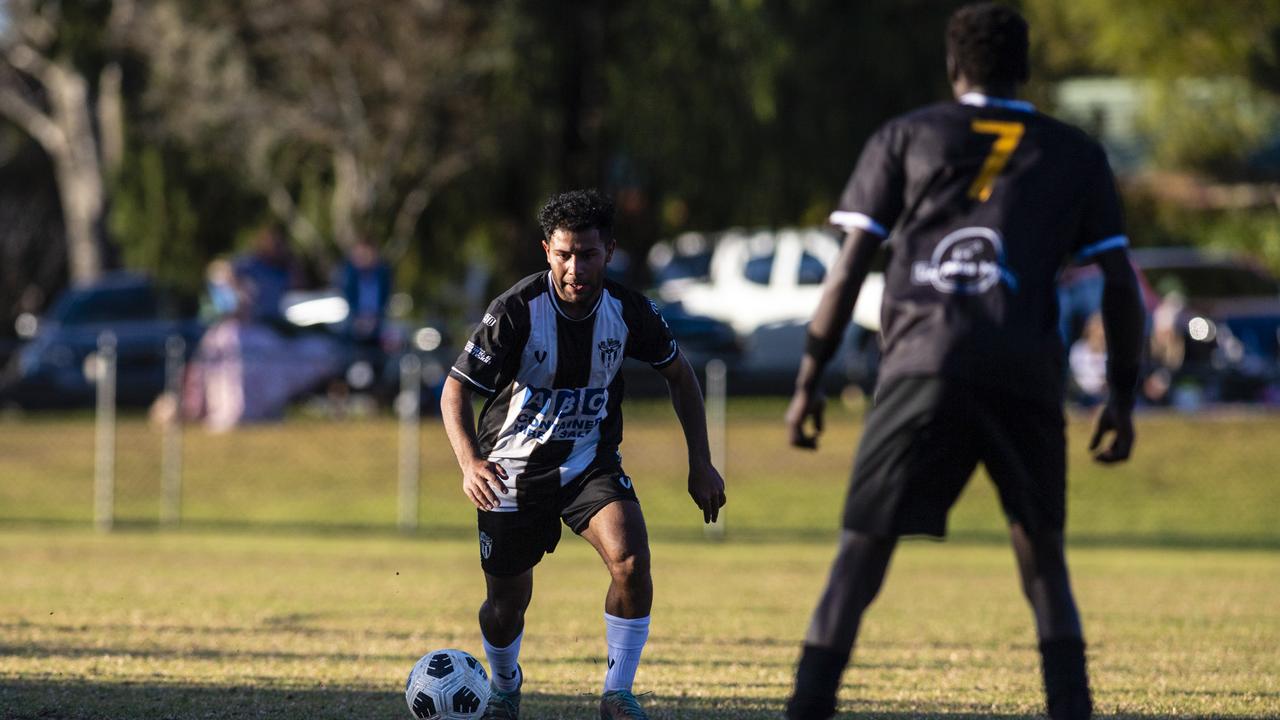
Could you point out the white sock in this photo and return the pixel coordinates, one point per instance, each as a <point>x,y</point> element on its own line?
<point>626,638</point>
<point>502,663</point>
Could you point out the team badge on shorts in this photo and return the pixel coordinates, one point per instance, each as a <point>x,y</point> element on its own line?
<point>625,481</point>
<point>486,545</point>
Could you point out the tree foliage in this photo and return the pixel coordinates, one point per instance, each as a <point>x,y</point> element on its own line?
<point>436,127</point>
<point>1210,72</point>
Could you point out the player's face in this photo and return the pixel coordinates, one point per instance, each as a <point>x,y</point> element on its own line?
<point>577,261</point>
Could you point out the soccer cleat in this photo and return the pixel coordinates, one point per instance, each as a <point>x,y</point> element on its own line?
<point>504,704</point>
<point>621,705</point>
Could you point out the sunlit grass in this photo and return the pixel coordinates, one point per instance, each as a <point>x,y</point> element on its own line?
<point>288,593</point>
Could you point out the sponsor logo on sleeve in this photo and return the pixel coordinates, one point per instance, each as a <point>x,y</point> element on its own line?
<point>478,353</point>
<point>489,320</point>
<point>654,307</point>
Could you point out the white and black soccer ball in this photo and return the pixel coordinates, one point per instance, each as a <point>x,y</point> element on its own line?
<point>447,685</point>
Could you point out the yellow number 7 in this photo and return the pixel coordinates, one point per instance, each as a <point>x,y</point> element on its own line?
<point>1008,134</point>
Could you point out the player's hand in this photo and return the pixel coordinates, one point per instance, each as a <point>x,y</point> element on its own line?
<point>804,405</point>
<point>482,481</point>
<point>706,487</point>
<point>1117,421</point>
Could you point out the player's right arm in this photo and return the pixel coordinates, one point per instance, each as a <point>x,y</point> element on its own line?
<point>869,206</point>
<point>478,369</point>
<point>826,329</point>
<point>481,479</point>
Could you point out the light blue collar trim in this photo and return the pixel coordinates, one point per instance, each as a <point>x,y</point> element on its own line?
<point>979,100</point>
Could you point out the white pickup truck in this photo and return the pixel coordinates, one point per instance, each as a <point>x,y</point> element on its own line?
<point>766,285</point>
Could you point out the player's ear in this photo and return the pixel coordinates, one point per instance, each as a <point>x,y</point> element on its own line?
<point>546,249</point>
<point>609,245</point>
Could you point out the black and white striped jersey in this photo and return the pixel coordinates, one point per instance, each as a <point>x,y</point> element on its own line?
<point>553,383</point>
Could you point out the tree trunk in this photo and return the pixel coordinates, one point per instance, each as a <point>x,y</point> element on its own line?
<point>79,173</point>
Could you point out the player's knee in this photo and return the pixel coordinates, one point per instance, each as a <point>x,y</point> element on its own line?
<point>631,568</point>
<point>505,611</point>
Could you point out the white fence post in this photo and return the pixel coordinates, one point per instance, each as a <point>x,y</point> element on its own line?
<point>407,407</point>
<point>171,458</point>
<point>717,431</point>
<point>103,369</point>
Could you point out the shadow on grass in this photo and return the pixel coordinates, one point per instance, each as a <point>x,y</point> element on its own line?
<point>78,700</point>
<point>663,533</point>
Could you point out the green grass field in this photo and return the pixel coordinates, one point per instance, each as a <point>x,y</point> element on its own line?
<point>287,593</point>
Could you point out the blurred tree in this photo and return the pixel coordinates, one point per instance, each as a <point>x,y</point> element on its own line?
<point>347,117</point>
<point>60,83</point>
<point>1209,72</point>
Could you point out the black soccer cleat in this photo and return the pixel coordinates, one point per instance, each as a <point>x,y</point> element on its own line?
<point>621,705</point>
<point>503,704</point>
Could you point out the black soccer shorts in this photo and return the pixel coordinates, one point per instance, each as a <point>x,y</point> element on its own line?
<point>513,542</point>
<point>925,436</point>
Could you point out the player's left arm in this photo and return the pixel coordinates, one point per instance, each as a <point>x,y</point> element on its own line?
<point>706,487</point>
<point>1123,314</point>
<point>1123,321</point>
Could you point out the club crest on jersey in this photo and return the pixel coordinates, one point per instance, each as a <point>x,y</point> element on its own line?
<point>969,261</point>
<point>486,545</point>
<point>609,351</point>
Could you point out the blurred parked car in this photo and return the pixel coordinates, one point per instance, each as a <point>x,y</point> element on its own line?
<point>759,278</point>
<point>53,369</point>
<point>1222,312</point>
<point>700,338</point>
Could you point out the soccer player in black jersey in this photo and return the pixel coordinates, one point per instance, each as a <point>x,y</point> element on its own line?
<point>547,357</point>
<point>980,201</point>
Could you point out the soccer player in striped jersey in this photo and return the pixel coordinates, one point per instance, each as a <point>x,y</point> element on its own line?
<point>981,202</point>
<point>547,357</point>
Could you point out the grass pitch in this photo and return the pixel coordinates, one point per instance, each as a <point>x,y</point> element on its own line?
<point>287,593</point>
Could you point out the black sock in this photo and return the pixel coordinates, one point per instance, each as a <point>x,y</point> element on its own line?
<point>1066,682</point>
<point>817,680</point>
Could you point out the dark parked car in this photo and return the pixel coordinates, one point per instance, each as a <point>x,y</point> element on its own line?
<point>700,338</point>
<point>1225,312</point>
<point>1225,315</point>
<point>50,370</point>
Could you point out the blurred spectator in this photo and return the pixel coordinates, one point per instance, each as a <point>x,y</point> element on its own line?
<point>1079,298</point>
<point>1088,362</point>
<point>220,290</point>
<point>1168,346</point>
<point>265,274</point>
<point>365,281</point>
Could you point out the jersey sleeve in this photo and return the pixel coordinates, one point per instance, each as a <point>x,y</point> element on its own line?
<point>873,198</point>
<point>1102,221</point>
<point>486,351</point>
<point>650,339</point>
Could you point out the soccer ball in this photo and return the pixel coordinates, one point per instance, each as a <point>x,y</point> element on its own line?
<point>447,685</point>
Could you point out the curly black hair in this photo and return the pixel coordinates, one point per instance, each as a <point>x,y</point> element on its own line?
<point>577,210</point>
<point>988,42</point>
